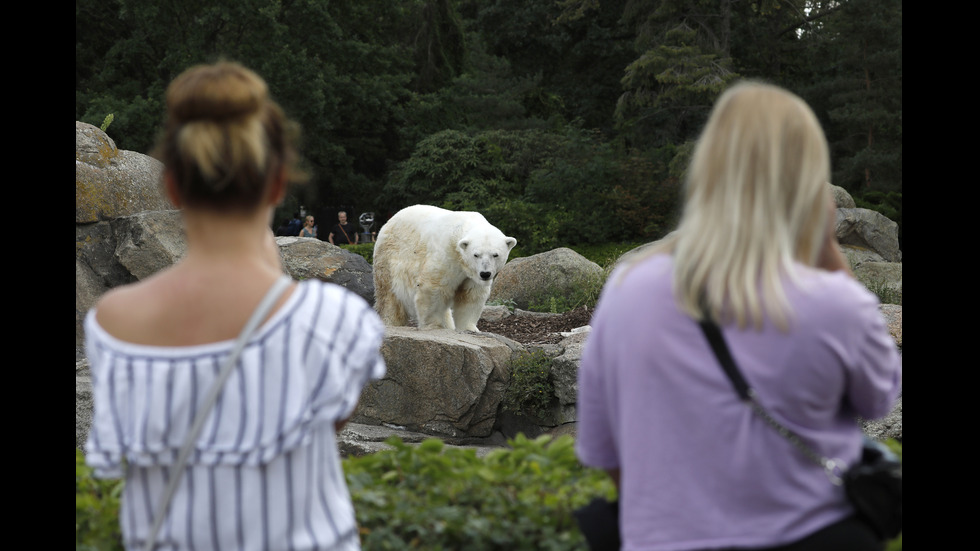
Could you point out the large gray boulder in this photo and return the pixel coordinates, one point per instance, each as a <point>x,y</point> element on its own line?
<point>558,272</point>
<point>109,182</point>
<point>131,248</point>
<point>842,198</point>
<point>440,382</point>
<point>869,229</point>
<point>309,258</point>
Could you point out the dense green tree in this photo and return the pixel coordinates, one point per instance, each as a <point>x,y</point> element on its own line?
<point>342,69</point>
<point>576,60</point>
<point>546,188</point>
<point>864,94</point>
<point>684,63</point>
<point>492,104</point>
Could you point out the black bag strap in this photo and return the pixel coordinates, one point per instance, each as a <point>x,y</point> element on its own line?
<point>833,467</point>
<point>717,341</point>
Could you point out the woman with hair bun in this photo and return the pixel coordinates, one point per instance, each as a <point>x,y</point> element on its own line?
<point>264,472</point>
<point>755,251</point>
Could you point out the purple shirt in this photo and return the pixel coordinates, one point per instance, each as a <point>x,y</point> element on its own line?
<point>699,468</point>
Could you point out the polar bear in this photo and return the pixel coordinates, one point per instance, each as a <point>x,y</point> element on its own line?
<point>436,266</point>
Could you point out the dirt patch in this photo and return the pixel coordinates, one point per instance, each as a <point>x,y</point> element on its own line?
<point>538,329</point>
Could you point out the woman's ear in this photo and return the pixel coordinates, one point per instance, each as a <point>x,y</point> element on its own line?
<point>170,187</point>
<point>277,188</point>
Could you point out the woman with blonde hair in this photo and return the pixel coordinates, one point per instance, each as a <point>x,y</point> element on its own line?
<point>263,470</point>
<point>309,230</point>
<point>756,252</point>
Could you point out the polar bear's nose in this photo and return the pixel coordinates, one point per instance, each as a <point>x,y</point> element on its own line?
<point>485,275</point>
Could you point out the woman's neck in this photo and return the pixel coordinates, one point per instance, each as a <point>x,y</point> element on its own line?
<point>217,236</point>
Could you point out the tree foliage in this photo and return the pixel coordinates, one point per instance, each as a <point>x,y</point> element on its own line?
<point>544,112</point>
<point>545,188</point>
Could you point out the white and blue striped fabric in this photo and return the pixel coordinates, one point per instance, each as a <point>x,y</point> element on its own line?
<point>265,472</point>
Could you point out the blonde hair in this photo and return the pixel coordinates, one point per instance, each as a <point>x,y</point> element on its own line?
<point>755,204</point>
<point>225,139</point>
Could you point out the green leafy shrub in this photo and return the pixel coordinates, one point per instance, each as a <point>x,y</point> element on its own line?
<point>605,254</point>
<point>431,497</point>
<point>96,510</point>
<point>364,249</point>
<point>531,390</point>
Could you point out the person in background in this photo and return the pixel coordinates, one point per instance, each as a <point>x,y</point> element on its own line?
<point>342,232</point>
<point>309,230</point>
<point>283,228</point>
<point>295,225</point>
<point>265,473</point>
<point>755,251</point>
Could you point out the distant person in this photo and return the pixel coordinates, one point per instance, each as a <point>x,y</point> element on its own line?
<point>756,252</point>
<point>309,230</point>
<point>265,472</point>
<point>340,233</point>
<point>283,228</point>
<point>295,225</point>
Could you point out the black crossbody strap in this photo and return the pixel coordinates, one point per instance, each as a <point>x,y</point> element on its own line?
<point>833,467</point>
<point>717,341</point>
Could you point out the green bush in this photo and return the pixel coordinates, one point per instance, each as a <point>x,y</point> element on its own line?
<point>545,188</point>
<point>364,249</point>
<point>96,510</point>
<point>605,254</point>
<point>431,497</point>
<point>531,390</point>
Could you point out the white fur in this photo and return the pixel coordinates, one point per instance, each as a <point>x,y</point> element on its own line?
<point>436,266</point>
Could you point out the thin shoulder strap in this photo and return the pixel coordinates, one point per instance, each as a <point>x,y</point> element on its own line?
<point>270,299</point>
<point>832,467</point>
<point>717,341</point>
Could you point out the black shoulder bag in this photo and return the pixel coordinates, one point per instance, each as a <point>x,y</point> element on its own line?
<point>874,485</point>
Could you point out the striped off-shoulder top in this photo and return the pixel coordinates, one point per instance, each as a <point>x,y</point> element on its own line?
<point>265,473</point>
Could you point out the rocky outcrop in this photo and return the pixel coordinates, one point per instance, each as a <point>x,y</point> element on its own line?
<point>131,248</point>
<point>842,198</point>
<point>109,182</point>
<point>309,258</point>
<point>558,272</point>
<point>440,382</point>
<point>870,230</point>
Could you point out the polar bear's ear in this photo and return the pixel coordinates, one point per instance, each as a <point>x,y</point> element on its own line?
<point>510,241</point>
<point>463,244</point>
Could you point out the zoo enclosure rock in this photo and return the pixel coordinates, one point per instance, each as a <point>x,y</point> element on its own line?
<point>559,272</point>
<point>109,182</point>
<point>440,382</point>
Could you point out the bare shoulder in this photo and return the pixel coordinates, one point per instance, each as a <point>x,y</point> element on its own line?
<point>122,310</point>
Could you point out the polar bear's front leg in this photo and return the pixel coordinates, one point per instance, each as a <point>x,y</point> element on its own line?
<point>468,303</point>
<point>432,305</point>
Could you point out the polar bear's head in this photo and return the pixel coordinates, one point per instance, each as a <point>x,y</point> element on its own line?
<point>484,254</point>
